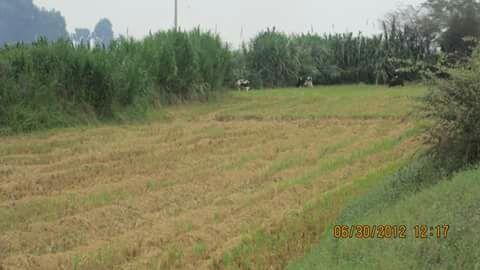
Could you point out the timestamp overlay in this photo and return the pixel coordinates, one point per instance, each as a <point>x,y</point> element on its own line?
<point>384,231</point>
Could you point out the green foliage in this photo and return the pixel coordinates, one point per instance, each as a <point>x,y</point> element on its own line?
<point>57,84</point>
<point>239,69</point>
<point>186,65</point>
<point>274,59</point>
<point>81,35</point>
<point>457,25</point>
<point>454,106</point>
<point>418,194</point>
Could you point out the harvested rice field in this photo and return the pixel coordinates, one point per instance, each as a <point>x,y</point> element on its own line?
<point>188,188</point>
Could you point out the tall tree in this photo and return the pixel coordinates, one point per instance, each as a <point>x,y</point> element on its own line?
<point>82,36</point>
<point>103,32</point>
<point>51,25</point>
<point>459,24</point>
<point>21,20</point>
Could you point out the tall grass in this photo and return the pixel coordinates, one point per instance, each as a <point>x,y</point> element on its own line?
<point>45,84</point>
<point>427,191</point>
<point>274,59</point>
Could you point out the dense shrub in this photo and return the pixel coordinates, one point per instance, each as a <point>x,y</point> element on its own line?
<point>454,106</point>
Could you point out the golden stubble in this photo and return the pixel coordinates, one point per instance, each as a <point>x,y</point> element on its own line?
<point>173,194</point>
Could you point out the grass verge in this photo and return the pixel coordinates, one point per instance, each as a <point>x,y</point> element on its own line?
<point>415,195</point>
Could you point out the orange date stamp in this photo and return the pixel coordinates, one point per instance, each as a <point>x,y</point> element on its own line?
<point>423,232</point>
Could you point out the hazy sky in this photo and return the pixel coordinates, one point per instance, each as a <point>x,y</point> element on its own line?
<point>228,17</point>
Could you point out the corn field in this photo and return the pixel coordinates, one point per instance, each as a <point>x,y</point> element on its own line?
<point>45,84</point>
<point>274,59</point>
<point>56,84</point>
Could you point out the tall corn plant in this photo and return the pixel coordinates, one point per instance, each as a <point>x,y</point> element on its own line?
<point>271,59</point>
<point>51,84</point>
<point>275,59</point>
<point>186,65</point>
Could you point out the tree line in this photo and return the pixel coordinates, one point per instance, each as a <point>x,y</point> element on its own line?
<point>23,21</point>
<point>54,84</point>
<point>48,84</point>
<point>416,41</point>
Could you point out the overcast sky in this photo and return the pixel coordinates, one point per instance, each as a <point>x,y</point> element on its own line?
<point>228,17</point>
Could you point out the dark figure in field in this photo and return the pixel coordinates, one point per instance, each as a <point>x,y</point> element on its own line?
<point>396,81</point>
<point>305,82</point>
<point>243,84</point>
<point>300,82</point>
<point>442,75</point>
<point>439,73</point>
<point>394,77</point>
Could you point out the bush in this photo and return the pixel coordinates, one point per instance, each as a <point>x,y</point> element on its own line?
<point>454,106</point>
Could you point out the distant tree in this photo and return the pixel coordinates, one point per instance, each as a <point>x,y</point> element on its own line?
<point>16,19</point>
<point>51,25</point>
<point>462,29</point>
<point>103,33</point>
<point>458,24</point>
<point>82,36</point>
<point>411,31</point>
<point>21,20</point>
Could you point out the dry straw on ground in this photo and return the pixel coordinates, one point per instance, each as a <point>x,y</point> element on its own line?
<point>177,193</point>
